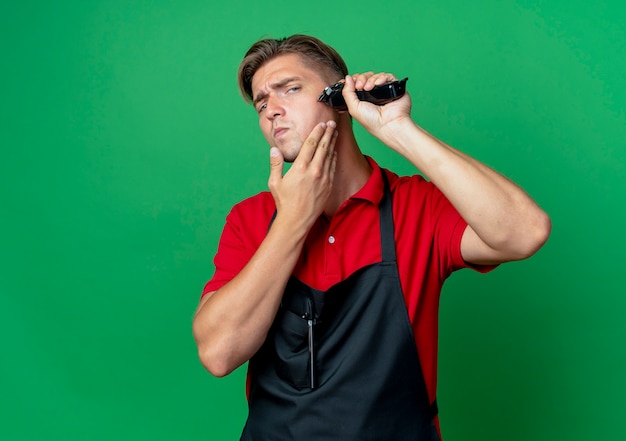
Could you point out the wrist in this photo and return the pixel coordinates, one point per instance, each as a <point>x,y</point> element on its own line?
<point>402,135</point>
<point>291,229</point>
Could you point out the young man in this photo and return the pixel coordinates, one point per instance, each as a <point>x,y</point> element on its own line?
<point>329,283</point>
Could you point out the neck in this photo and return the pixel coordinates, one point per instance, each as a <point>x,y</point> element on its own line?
<point>352,170</point>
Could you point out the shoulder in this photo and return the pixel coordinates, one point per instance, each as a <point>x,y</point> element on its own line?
<point>253,213</point>
<point>413,190</point>
<point>400,186</point>
<point>418,203</point>
<point>259,203</point>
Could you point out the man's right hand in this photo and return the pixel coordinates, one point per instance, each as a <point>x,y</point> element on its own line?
<point>231,323</point>
<point>301,193</point>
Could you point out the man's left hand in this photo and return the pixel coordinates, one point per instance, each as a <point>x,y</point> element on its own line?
<point>378,120</point>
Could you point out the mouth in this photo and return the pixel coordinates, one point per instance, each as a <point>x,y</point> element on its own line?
<point>278,132</point>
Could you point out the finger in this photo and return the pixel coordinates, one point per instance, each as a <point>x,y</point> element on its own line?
<point>349,93</point>
<point>361,79</point>
<point>378,80</point>
<point>325,144</point>
<point>310,144</point>
<point>276,167</point>
<point>331,158</point>
<point>333,142</point>
<point>333,167</point>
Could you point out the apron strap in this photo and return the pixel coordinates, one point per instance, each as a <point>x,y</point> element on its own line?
<point>388,247</point>
<point>434,409</point>
<point>387,238</point>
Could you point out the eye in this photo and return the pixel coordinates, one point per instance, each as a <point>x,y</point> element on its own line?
<point>293,89</point>
<point>261,107</point>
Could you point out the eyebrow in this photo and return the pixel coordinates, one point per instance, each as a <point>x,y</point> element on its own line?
<point>277,85</point>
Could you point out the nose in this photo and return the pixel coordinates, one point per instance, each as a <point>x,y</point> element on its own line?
<point>274,107</point>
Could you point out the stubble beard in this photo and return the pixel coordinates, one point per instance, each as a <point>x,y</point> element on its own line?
<point>291,151</point>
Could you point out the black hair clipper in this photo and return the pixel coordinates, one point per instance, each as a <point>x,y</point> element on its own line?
<point>379,95</point>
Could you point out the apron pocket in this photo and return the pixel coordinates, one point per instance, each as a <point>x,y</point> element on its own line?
<point>292,348</point>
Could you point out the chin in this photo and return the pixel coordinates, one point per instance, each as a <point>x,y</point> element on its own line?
<point>290,153</point>
<point>290,158</point>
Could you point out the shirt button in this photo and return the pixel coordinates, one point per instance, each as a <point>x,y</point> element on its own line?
<point>331,239</point>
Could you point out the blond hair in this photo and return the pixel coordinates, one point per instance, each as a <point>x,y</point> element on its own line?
<point>313,52</point>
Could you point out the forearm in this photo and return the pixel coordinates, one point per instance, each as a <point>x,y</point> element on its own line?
<point>231,324</point>
<point>501,214</point>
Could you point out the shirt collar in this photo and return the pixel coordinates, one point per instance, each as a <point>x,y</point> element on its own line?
<point>372,191</point>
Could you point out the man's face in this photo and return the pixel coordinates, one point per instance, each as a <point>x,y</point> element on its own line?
<point>285,94</point>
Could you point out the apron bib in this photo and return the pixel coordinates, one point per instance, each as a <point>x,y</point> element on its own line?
<point>342,364</point>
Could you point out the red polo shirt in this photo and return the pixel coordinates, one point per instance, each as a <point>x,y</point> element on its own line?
<point>428,232</point>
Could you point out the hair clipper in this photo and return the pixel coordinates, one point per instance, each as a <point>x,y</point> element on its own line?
<point>379,95</point>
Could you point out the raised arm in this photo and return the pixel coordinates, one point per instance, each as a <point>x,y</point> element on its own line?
<point>231,323</point>
<point>504,222</point>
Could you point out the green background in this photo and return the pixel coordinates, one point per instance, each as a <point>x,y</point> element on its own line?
<point>124,143</point>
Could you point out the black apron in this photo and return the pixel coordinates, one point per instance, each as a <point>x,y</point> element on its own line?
<point>342,364</point>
